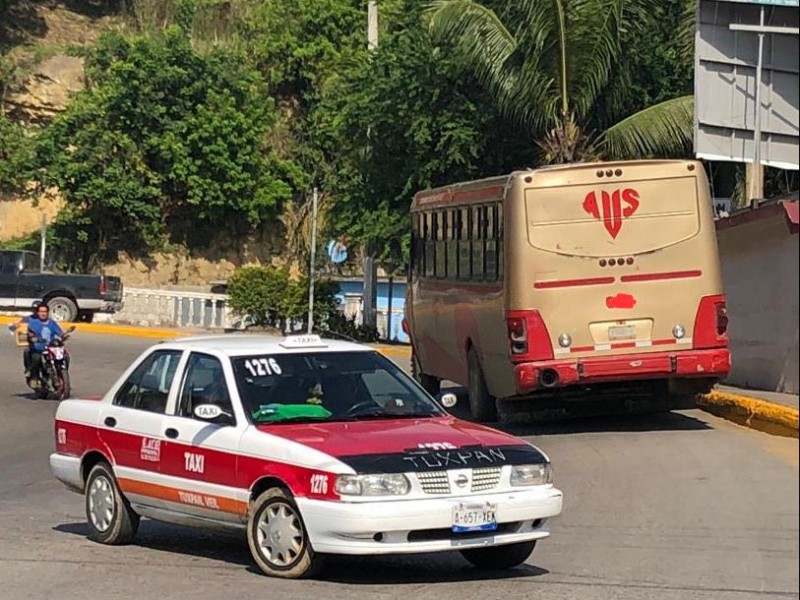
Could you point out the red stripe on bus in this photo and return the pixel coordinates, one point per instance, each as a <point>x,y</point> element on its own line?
<point>542,285</point>
<point>492,192</point>
<point>660,276</point>
<point>620,345</point>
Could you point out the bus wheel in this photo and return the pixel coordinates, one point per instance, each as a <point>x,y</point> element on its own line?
<point>482,405</point>
<point>431,384</point>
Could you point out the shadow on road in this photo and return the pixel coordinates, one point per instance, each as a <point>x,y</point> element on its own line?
<point>357,570</point>
<point>532,422</point>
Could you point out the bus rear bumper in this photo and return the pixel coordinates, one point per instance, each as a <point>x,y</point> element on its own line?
<point>714,364</point>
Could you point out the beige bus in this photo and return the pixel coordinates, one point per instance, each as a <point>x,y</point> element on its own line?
<point>559,281</point>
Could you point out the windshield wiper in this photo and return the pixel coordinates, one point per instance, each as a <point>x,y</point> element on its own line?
<point>385,415</point>
<point>297,419</point>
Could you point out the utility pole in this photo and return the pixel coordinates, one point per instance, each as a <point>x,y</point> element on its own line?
<point>756,179</point>
<point>313,258</point>
<point>370,294</point>
<point>43,246</point>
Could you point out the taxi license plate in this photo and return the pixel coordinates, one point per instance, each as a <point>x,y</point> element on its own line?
<point>481,517</point>
<point>622,332</point>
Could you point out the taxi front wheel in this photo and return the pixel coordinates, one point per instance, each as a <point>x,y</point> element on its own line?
<point>499,557</point>
<point>278,539</point>
<point>111,519</point>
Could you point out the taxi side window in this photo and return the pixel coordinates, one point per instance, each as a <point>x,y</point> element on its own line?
<point>204,383</point>
<point>148,386</point>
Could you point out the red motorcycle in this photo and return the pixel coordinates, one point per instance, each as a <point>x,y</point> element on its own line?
<point>54,371</point>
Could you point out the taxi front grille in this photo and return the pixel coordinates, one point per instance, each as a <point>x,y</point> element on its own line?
<point>438,482</point>
<point>434,482</point>
<point>485,478</point>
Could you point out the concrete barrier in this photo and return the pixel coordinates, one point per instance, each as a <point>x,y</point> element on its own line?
<point>759,253</point>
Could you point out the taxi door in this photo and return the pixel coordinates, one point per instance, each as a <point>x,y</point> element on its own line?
<point>132,425</point>
<point>200,459</point>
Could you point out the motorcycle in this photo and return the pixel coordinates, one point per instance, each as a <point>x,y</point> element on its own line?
<point>54,372</point>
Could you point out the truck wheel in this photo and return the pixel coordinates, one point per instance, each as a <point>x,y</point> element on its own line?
<point>278,539</point>
<point>86,316</point>
<point>431,384</point>
<point>499,557</point>
<point>482,405</point>
<point>62,309</point>
<point>111,519</point>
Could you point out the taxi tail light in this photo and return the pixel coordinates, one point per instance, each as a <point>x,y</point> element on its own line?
<point>711,323</point>
<point>528,337</point>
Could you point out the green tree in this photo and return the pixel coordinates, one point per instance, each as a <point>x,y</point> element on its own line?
<point>164,145</point>
<point>551,72</point>
<point>403,119</point>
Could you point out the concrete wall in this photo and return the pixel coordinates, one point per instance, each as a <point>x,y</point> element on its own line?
<point>760,270</point>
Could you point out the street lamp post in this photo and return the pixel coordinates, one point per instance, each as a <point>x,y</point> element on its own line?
<point>757,180</point>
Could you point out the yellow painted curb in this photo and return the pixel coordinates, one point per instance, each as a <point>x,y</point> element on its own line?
<point>752,412</point>
<point>114,329</point>
<point>164,333</point>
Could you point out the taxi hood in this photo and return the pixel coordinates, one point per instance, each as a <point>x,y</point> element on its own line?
<point>401,445</point>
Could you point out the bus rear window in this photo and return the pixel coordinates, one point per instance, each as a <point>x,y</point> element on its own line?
<point>623,217</point>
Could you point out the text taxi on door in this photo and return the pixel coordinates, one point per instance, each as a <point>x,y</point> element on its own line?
<point>312,446</point>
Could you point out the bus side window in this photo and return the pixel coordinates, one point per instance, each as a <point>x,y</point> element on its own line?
<point>441,236</point>
<point>452,243</point>
<point>464,250</point>
<point>491,244</point>
<point>478,225</point>
<point>500,243</point>
<point>430,234</point>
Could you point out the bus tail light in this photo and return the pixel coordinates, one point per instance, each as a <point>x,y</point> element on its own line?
<point>405,327</point>
<point>516,335</point>
<point>711,323</point>
<point>528,337</point>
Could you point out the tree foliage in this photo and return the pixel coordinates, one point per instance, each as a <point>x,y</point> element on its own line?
<point>164,145</point>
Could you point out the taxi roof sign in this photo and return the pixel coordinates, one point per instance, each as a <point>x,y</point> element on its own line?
<point>303,341</point>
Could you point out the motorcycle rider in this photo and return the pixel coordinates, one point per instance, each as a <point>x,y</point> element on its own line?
<point>41,331</point>
<point>26,354</point>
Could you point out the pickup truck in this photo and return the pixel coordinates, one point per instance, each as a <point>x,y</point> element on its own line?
<point>70,297</point>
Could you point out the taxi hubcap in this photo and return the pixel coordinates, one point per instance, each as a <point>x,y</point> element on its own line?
<point>280,536</point>
<point>101,503</point>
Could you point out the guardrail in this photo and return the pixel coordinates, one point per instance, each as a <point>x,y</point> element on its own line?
<point>173,308</point>
<point>177,308</point>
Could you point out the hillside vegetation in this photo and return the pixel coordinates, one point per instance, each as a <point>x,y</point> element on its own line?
<point>169,125</point>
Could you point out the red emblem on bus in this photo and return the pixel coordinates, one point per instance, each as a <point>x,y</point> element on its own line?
<point>612,208</point>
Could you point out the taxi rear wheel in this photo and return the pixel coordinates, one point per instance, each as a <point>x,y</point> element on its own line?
<point>499,557</point>
<point>278,539</point>
<point>111,519</point>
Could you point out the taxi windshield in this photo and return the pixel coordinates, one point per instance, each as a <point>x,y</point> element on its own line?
<point>327,386</point>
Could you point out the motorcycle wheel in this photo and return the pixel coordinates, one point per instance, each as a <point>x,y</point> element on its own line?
<point>63,385</point>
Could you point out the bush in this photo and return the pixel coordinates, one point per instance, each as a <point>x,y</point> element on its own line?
<point>272,299</point>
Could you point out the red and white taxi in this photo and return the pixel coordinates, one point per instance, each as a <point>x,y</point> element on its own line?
<point>312,446</point>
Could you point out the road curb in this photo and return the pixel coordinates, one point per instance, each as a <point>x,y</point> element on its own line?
<point>754,413</point>
<point>165,333</point>
<point>115,329</point>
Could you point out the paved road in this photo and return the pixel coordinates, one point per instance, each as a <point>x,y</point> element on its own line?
<point>669,508</point>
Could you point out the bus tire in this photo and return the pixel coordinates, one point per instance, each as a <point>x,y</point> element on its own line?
<point>431,384</point>
<point>482,405</point>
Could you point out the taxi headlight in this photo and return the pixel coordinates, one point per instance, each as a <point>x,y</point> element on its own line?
<point>392,484</point>
<point>538,474</point>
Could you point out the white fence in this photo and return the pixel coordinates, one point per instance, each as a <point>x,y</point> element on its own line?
<point>178,308</point>
<point>172,308</point>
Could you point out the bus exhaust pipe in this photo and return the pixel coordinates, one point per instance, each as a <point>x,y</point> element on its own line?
<point>548,378</point>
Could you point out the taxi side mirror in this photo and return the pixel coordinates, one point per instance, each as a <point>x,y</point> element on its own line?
<point>212,412</point>
<point>449,400</point>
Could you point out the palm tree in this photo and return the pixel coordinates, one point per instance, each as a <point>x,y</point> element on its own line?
<point>549,71</point>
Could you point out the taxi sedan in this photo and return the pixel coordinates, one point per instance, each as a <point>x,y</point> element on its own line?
<point>311,446</point>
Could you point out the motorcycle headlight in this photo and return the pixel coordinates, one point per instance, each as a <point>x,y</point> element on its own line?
<point>392,484</point>
<point>538,474</point>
